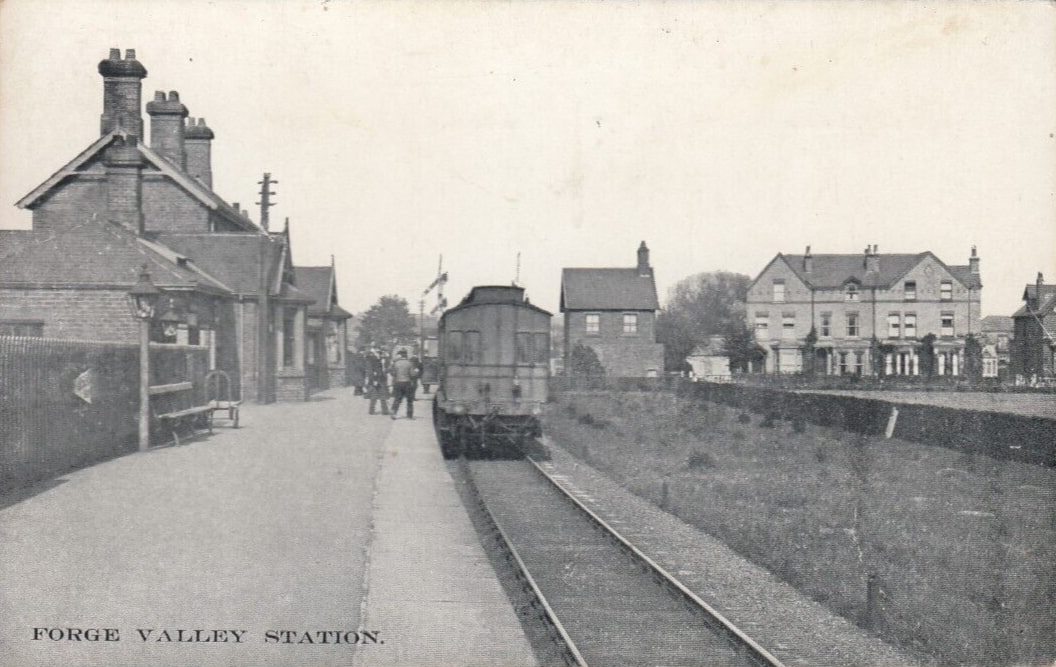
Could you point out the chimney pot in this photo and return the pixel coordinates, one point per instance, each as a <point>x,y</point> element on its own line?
<point>174,96</point>
<point>115,54</point>
<point>159,95</point>
<point>130,54</point>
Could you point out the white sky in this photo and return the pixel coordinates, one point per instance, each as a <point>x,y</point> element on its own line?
<point>719,132</point>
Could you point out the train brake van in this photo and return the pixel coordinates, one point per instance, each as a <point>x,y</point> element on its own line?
<point>494,359</point>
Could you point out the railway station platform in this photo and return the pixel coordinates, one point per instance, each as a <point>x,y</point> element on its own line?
<point>430,584</point>
<point>283,543</point>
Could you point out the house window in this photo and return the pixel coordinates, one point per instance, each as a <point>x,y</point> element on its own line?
<point>593,323</point>
<point>851,293</point>
<point>910,289</point>
<point>788,326</point>
<point>289,320</point>
<point>826,325</point>
<point>471,347</point>
<point>630,323</point>
<point>762,326</point>
<point>852,325</point>
<point>946,325</point>
<point>30,328</point>
<point>894,325</point>
<point>946,290</point>
<point>454,346</point>
<point>859,363</point>
<point>779,290</point>
<point>909,325</point>
<point>843,363</point>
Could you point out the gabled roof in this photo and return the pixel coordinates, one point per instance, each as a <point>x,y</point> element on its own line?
<point>233,257</point>
<point>997,324</point>
<point>193,187</point>
<point>607,289</point>
<point>99,253</point>
<point>833,271</point>
<point>1047,305</point>
<point>318,283</point>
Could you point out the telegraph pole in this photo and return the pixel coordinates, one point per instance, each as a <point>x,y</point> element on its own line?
<point>265,198</point>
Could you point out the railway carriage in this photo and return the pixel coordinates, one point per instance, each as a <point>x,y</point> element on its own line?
<point>494,363</point>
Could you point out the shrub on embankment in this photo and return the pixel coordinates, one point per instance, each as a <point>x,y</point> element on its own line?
<point>959,546</point>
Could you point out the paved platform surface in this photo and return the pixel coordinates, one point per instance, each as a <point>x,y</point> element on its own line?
<point>430,585</point>
<point>278,526</point>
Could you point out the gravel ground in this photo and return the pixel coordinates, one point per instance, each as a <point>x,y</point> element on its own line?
<point>792,627</point>
<point>1029,405</point>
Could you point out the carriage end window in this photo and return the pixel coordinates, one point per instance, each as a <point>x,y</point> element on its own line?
<point>471,347</point>
<point>542,348</point>
<point>454,346</point>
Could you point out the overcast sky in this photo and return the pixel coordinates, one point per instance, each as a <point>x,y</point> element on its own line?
<point>720,133</point>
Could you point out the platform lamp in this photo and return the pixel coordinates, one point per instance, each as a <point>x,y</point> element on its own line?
<point>142,299</point>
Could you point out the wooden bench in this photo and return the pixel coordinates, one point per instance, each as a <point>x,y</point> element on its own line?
<point>185,412</point>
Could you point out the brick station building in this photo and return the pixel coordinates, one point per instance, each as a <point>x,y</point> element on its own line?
<point>120,204</point>
<point>613,311</point>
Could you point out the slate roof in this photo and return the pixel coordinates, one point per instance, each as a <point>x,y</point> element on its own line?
<point>316,282</point>
<point>1048,301</point>
<point>607,289</point>
<point>997,324</point>
<point>97,253</point>
<point>232,257</point>
<point>832,271</point>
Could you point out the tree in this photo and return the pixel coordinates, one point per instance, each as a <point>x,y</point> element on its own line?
<point>973,358</point>
<point>387,320</point>
<point>926,358</point>
<point>699,306</point>
<point>584,361</point>
<point>740,347</point>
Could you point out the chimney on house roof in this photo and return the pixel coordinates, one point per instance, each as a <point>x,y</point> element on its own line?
<point>973,263</point>
<point>122,84</point>
<point>872,260</point>
<point>808,261</point>
<point>198,143</point>
<point>643,261</point>
<point>166,127</point>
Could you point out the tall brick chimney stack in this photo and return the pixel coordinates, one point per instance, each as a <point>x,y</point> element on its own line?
<point>643,261</point>
<point>166,127</point>
<point>197,142</point>
<point>973,263</point>
<point>122,83</point>
<point>872,260</point>
<point>808,261</point>
<point>124,183</point>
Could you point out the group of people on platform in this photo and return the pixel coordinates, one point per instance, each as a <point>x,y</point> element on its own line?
<point>404,373</point>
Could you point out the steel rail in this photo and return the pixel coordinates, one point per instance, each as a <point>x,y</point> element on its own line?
<point>570,653</point>
<point>735,635</point>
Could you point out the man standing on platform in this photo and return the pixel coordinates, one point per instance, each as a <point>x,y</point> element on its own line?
<point>403,375</point>
<point>376,385</point>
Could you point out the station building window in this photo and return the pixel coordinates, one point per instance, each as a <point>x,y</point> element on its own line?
<point>909,325</point>
<point>788,326</point>
<point>851,292</point>
<point>946,291</point>
<point>826,325</point>
<point>289,336</point>
<point>762,326</point>
<point>946,325</point>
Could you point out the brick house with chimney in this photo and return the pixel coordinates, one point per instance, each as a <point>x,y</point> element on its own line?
<point>851,300</point>
<point>1033,354</point>
<point>119,204</point>
<point>613,311</point>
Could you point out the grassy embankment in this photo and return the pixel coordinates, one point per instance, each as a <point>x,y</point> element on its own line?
<point>961,547</point>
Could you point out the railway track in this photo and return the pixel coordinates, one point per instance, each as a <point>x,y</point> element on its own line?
<point>602,600</point>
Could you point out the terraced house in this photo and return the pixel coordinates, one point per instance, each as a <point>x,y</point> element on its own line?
<point>120,204</point>
<point>851,300</point>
